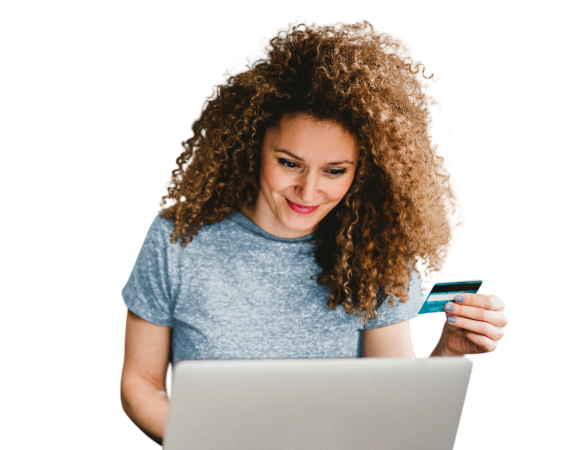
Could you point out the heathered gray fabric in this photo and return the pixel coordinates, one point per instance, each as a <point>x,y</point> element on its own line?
<point>239,292</point>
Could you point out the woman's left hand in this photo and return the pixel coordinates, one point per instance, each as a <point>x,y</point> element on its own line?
<point>475,323</point>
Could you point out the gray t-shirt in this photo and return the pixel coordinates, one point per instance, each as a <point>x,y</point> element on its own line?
<point>238,292</point>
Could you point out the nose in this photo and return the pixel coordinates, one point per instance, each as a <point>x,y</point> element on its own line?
<point>307,188</point>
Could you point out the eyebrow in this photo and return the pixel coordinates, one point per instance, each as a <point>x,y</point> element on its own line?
<point>298,158</point>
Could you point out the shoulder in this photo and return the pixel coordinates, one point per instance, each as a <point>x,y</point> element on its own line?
<point>163,225</point>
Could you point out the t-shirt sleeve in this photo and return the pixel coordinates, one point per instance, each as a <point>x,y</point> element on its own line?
<point>401,311</point>
<point>147,292</point>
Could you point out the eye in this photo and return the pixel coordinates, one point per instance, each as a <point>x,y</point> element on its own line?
<point>287,164</point>
<point>291,165</point>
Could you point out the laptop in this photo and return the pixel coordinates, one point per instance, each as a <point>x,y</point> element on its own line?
<point>317,404</point>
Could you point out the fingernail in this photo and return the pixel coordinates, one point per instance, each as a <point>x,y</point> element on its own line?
<point>452,319</point>
<point>449,307</point>
<point>459,298</point>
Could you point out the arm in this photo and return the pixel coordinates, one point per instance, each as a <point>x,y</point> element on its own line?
<point>392,341</point>
<point>143,376</point>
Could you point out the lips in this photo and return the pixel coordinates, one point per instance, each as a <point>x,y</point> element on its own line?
<point>300,208</point>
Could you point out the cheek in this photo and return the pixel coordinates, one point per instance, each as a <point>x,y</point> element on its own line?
<point>338,190</point>
<point>273,177</point>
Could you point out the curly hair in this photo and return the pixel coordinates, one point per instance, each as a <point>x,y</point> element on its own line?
<point>399,209</point>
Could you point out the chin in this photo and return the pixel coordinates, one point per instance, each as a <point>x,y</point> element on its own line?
<point>298,222</point>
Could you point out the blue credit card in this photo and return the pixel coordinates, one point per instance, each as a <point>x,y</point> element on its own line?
<point>442,293</point>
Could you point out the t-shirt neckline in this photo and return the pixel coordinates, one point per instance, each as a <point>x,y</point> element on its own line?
<point>238,217</point>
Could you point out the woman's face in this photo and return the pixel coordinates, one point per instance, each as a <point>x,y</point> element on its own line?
<point>307,167</point>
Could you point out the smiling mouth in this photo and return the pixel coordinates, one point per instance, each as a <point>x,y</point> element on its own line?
<point>300,208</point>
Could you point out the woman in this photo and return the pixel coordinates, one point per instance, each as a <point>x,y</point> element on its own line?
<point>301,205</point>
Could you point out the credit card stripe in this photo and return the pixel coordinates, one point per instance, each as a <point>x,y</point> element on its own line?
<point>459,287</point>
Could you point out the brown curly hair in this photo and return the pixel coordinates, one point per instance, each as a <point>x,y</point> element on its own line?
<point>399,208</point>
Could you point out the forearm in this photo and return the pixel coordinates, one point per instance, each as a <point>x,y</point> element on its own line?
<point>147,406</point>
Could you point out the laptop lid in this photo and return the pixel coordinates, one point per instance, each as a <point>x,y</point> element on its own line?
<point>317,404</point>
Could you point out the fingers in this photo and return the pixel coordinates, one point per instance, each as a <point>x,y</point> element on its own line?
<point>483,343</point>
<point>495,318</point>
<point>486,302</point>
<point>490,302</point>
<point>483,328</point>
<point>481,314</point>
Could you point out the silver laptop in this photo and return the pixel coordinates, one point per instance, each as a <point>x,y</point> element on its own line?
<point>317,404</point>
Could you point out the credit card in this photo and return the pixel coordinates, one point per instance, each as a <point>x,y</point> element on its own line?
<point>442,293</point>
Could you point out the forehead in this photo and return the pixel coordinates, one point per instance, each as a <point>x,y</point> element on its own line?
<point>310,138</point>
